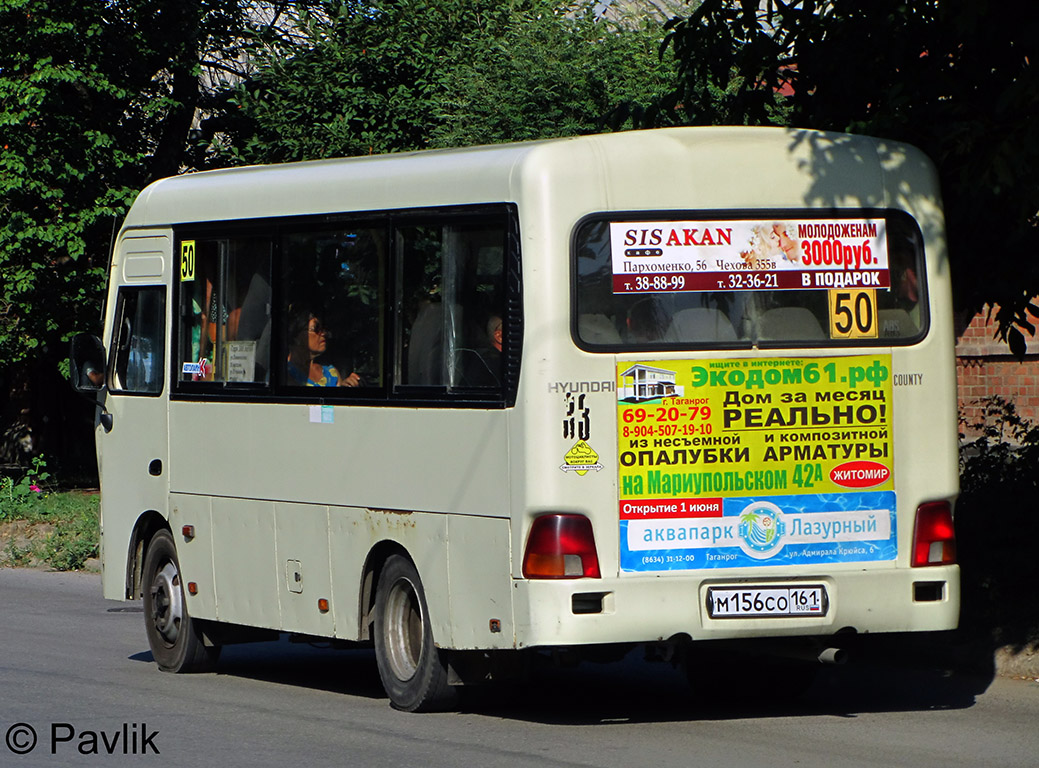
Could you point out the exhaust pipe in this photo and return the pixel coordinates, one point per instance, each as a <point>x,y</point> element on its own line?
<point>826,656</point>
<point>833,656</point>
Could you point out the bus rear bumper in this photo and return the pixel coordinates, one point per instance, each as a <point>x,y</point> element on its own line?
<point>636,609</point>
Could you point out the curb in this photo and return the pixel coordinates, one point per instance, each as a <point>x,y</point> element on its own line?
<point>1021,664</point>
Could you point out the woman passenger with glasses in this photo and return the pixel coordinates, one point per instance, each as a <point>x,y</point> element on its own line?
<point>308,341</point>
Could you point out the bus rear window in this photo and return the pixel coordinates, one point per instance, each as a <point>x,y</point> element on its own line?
<point>679,281</point>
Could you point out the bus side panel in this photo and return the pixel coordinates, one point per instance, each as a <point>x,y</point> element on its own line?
<point>352,535</point>
<point>437,460</point>
<point>245,562</point>
<point>303,569</point>
<point>480,583</point>
<point>195,553</point>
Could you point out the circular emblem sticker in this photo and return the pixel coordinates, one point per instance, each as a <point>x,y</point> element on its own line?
<point>761,529</point>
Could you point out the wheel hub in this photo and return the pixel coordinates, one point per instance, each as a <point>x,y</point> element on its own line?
<point>167,605</point>
<point>404,629</point>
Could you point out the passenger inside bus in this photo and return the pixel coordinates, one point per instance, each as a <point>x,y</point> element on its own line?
<point>646,321</point>
<point>483,367</point>
<point>308,342</point>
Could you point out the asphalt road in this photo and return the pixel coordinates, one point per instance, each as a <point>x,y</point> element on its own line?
<point>78,686</point>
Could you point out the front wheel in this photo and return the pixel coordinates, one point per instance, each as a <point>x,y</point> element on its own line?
<point>413,670</point>
<point>174,638</point>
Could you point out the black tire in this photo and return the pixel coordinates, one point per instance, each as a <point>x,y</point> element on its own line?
<point>413,670</point>
<point>175,640</point>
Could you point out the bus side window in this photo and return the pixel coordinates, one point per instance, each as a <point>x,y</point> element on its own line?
<point>425,319</point>
<point>451,302</point>
<point>225,310</point>
<point>337,275</point>
<point>139,343</point>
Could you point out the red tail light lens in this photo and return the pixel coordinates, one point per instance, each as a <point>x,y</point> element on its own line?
<point>561,547</point>
<point>934,540</point>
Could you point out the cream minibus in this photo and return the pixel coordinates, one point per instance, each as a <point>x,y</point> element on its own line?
<point>657,387</point>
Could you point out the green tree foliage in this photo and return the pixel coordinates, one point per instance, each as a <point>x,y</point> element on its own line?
<point>56,101</point>
<point>551,73</point>
<point>97,98</point>
<point>393,75</point>
<point>955,77</point>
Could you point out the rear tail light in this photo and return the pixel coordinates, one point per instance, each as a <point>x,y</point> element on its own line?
<point>934,540</point>
<point>561,547</point>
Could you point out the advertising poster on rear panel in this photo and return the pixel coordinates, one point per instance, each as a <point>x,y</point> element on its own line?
<point>748,255</point>
<point>731,463</point>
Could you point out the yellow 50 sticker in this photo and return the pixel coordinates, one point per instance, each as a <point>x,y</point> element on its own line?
<point>187,260</point>
<point>853,313</point>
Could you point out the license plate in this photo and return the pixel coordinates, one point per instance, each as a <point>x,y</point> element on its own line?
<point>757,602</point>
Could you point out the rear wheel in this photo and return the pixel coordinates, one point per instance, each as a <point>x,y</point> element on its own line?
<point>175,639</point>
<point>413,670</point>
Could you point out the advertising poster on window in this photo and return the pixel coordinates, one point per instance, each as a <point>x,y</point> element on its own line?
<point>748,255</point>
<point>745,462</point>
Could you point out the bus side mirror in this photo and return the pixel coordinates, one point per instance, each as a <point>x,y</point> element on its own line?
<point>87,363</point>
<point>87,371</point>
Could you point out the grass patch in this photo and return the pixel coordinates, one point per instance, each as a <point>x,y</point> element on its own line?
<point>39,526</point>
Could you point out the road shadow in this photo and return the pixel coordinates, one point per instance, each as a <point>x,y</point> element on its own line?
<point>887,677</point>
<point>887,674</point>
<point>319,666</point>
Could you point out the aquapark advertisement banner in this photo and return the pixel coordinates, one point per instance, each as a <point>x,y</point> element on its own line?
<point>732,463</point>
<point>748,255</point>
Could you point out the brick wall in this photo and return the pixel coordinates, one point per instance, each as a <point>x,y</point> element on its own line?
<point>985,367</point>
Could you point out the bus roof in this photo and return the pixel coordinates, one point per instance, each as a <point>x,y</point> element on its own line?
<point>782,167</point>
